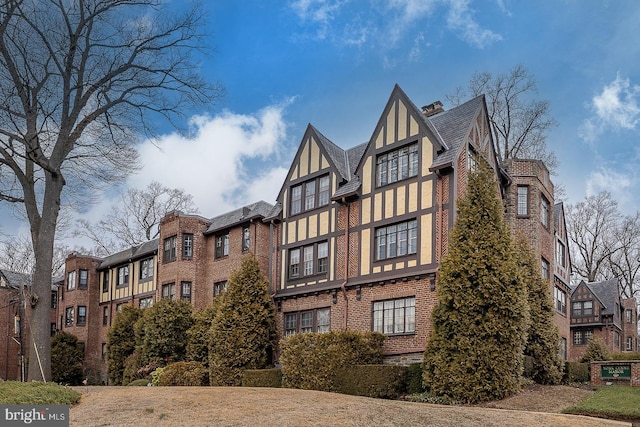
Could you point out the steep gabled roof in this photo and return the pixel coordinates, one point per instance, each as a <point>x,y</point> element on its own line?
<point>14,280</point>
<point>257,210</point>
<point>454,126</point>
<point>607,293</point>
<point>131,253</point>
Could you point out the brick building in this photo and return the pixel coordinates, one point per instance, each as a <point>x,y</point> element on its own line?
<point>597,310</point>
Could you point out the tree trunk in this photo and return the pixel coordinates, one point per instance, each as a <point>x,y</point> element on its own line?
<point>43,236</point>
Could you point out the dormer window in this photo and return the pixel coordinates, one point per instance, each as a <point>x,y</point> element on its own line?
<point>397,165</point>
<point>316,193</point>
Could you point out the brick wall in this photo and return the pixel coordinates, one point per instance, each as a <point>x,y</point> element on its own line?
<point>596,372</point>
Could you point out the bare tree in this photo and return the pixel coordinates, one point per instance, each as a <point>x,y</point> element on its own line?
<point>137,218</point>
<point>624,263</point>
<point>591,226</point>
<point>519,123</point>
<point>16,254</point>
<point>79,80</point>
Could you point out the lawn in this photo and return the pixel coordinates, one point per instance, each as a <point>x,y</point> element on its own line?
<point>36,393</point>
<point>617,402</point>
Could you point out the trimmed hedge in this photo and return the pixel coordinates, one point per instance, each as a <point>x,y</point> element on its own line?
<point>184,374</point>
<point>414,379</point>
<point>262,378</point>
<point>576,372</point>
<point>627,355</point>
<point>380,381</point>
<point>311,361</point>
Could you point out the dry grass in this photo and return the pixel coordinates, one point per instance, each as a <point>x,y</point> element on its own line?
<point>214,406</point>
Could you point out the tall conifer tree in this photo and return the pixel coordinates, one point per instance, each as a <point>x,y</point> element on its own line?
<point>543,337</point>
<point>475,352</point>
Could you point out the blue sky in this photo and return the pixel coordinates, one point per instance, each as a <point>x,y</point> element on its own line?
<point>334,64</point>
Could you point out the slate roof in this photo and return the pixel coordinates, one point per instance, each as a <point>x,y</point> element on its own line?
<point>14,280</point>
<point>558,208</point>
<point>607,292</point>
<point>453,126</point>
<point>257,210</point>
<point>134,252</point>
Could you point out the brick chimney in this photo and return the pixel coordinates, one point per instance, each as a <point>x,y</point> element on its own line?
<point>432,109</point>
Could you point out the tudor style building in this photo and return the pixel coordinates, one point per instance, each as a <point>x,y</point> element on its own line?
<point>361,232</point>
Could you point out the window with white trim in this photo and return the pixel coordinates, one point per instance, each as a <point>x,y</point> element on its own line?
<point>560,299</point>
<point>309,260</point>
<point>146,269</point>
<point>71,280</point>
<point>523,200</point>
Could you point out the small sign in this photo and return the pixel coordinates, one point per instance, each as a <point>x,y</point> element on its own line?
<point>615,371</point>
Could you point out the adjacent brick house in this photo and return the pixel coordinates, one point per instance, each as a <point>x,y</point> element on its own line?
<point>597,310</point>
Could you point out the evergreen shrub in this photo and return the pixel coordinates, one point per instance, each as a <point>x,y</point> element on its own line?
<point>414,379</point>
<point>121,342</point>
<point>627,355</point>
<point>184,374</point>
<point>262,378</point>
<point>67,355</point>
<point>312,361</point>
<point>576,372</point>
<point>596,350</point>
<point>379,381</point>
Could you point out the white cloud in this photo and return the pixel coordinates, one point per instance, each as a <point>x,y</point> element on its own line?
<point>622,186</point>
<point>615,108</point>
<point>460,19</point>
<point>214,163</point>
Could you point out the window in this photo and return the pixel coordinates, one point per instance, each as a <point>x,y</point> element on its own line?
<point>582,337</point>
<point>396,240</point>
<point>577,337</point>
<point>544,211</point>
<point>170,248</point>
<point>246,238</point>
<point>545,269</point>
<point>187,246</point>
<point>616,339</point>
<point>105,281</point>
<point>146,269</point>
<point>316,193</point>
<point>145,302</point>
<point>123,276</point>
<point>83,281</point>
<point>119,306</point>
<point>68,316</point>
<point>185,291</point>
<point>397,316</point>
<point>54,300</point>
<point>219,288</point>
<point>222,245</point>
<point>561,254</point>
<point>523,200</point>
<point>628,316</point>
<point>318,320</point>
<point>315,260</point>
<point>71,281</point>
<point>82,315</point>
<point>169,291</point>
<point>628,346</point>
<point>397,165</point>
<point>105,315</point>
<point>560,299</point>
<point>53,329</point>
<point>582,308</point>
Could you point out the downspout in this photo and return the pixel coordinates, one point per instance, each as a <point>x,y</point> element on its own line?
<point>346,264</point>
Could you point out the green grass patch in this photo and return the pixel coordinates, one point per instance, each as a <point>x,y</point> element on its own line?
<point>36,393</point>
<point>617,402</point>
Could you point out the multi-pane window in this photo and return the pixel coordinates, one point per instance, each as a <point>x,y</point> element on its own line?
<point>582,337</point>
<point>105,281</point>
<point>185,291</point>
<point>309,260</point>
<point>629,344</point>
<point>71,280</point>
<point>146,269</point>
<point>544,211</point>
<point>577,337</point>
<point>582,308</point>
<point>396,240</point>
<point>83,279</point>
<point>222,245</point>
<point>170,246</point>
<point>187,245</point>
<point>145,302</point>
<point>523,200</point>
<point>561,253</point>
<point>628,316</point>
<point>246,238</point>
<point>219,288</point>
<point>315,192</point>
<point>544,269</point>
<point>54,300</point>
<point>68,316</point>
<point>560,298</point>
<point>123,276</point>
<point>397,165</point>
<point>82,315</point>
<point>169,291</point>
<point>397,316</point>
<point>105,315</point>
<point>318,320</point>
